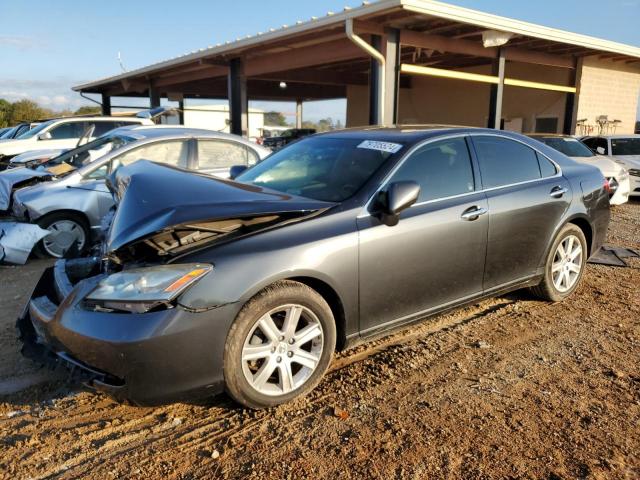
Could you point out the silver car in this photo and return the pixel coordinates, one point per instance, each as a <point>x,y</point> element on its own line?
<point>71,207</point>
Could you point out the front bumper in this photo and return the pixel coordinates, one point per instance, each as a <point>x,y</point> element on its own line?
<point>634,185</point>
<point>148,359</point>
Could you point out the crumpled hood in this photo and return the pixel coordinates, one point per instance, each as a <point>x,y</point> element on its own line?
<point>154,198</point>
<point>11,178</point>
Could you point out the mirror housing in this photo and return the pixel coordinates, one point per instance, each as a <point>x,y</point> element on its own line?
<point>396,198</point>
<point>236,170</point>
<point>600,150</point>
<point>44,136</point>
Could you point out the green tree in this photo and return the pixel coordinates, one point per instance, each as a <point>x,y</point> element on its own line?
<point>88,110</point>
<point>28,111</point>
<point>6,108</point>
<point>275,119</point>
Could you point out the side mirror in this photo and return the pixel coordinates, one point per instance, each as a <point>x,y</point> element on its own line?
<point>236,170</point>
<point>44,136</point>
<point>398,197</point>
<point>600,151</point>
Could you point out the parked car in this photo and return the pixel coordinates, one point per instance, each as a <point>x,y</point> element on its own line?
<point>287,137</point>
<point>4,130</point>
<point>250,285</point>
<point>16,131</point>
<point>614,172</point>
<point>624,149</point>
<point>72,206</point>
<point>62,133</point>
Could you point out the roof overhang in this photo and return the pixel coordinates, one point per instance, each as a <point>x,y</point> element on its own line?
<point>317,60</point>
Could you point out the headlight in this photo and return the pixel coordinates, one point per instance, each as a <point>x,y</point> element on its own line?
<point>142,289</point>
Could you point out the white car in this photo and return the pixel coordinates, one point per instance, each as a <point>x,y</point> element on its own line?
<point>613,171</point>
<point>62,134</point>
<point>624,149</point>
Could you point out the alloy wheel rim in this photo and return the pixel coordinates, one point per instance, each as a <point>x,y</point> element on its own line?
<point>567,263</point>
<point>282,350</point>
<point>62,236</point>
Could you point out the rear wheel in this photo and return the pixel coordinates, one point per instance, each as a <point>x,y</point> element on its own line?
<point>279,346</point>
<point>66,229</point>
<point>565,265</point>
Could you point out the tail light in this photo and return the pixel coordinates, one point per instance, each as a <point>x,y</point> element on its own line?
<point>607,187</point>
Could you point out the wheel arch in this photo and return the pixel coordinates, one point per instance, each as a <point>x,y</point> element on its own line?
<point>583,224</point>
<point>330,295</point>
<point>66,211</point>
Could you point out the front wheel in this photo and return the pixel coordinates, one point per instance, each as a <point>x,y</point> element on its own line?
<point>564,266</point>
<point>279,346</point>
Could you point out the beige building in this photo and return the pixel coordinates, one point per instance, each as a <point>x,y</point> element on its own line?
<point>410,62</point>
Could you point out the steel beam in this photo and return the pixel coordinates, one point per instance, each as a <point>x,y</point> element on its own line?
<point>391,76</point>
<point>298,113</point>
<point>238,100</point>
<point>154,96</point>
<point>376,77</point>
<point>106,104</point>
<point>571,104</point>
<point>497,91</point>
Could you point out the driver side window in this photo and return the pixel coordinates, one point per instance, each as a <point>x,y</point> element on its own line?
<point>442,169</point>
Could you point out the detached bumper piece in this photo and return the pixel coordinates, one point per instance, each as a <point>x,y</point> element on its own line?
<point>613,256</point>
<point>17,240</point>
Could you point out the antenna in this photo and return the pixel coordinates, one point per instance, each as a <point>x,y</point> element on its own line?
<point>120,62</point>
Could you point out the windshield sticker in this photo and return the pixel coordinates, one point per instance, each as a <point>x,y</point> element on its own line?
<point>380,146</point>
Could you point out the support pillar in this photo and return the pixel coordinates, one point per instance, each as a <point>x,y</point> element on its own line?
<point>497,93</point>
<point>298,113</point>
<point>154,96</point>
<point>571,103</point>
<point>391,77</point>
<point>238,100</point>
<point>376,77</point>
<point>106,104</point>
<point>181,112</point>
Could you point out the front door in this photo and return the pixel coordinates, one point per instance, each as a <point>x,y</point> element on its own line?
<point>435,254</point>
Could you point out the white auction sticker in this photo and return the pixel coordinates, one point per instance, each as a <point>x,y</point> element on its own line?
<point>380,146</point>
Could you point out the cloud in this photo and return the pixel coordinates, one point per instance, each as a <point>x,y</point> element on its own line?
<point>18,41</point>
<point>53,93</point>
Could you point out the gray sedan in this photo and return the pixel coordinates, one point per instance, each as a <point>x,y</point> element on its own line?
<point>72,206</point>
<point>250,285</point>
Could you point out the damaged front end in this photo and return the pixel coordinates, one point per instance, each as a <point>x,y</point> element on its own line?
<point>164,212</point>
<point>13,179</point>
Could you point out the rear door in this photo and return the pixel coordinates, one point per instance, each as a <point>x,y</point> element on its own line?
<point>435,254</point>
<point>527,197</point>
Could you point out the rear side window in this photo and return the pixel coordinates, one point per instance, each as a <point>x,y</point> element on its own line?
<point>174,153</point>
<point>104,127</point>
<point>595,142</point>
<point>223,154</point>
<point>547,168</point>
<point>442,169</point>
<point>505,162</point>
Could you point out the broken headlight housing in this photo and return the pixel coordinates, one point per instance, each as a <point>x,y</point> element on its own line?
<point>140,290</point>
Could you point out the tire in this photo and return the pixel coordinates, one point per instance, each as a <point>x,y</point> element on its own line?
<point>81,226</point>
<point>248,380</point>
<point>550,290</point>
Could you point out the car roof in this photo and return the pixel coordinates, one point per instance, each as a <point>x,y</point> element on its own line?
<point>631,135</point>
<point>140,132</point>
<point>404,133</point>
<point>548,135</point>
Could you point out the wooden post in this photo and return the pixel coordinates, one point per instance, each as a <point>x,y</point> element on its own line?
<point>106,104</point>
<point>375,81</point>
<point>497,92</point>
<point>391,76</point>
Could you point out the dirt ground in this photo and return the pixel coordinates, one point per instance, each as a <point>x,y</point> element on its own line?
<point>508,388</point>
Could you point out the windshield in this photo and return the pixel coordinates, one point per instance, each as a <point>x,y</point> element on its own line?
<point>86,154</point>
<point>625,146</point>
<point>8,133</point>
<point>327,169</point>
<point>35,131</point>
<point>569,146</point>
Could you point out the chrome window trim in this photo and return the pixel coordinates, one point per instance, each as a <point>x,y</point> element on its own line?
<point>365,211</point>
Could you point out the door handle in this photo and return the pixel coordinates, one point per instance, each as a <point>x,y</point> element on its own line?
<point>557,192</point>
<point>472,213</point>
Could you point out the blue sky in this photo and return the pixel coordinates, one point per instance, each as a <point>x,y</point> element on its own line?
<point>48,46</point>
